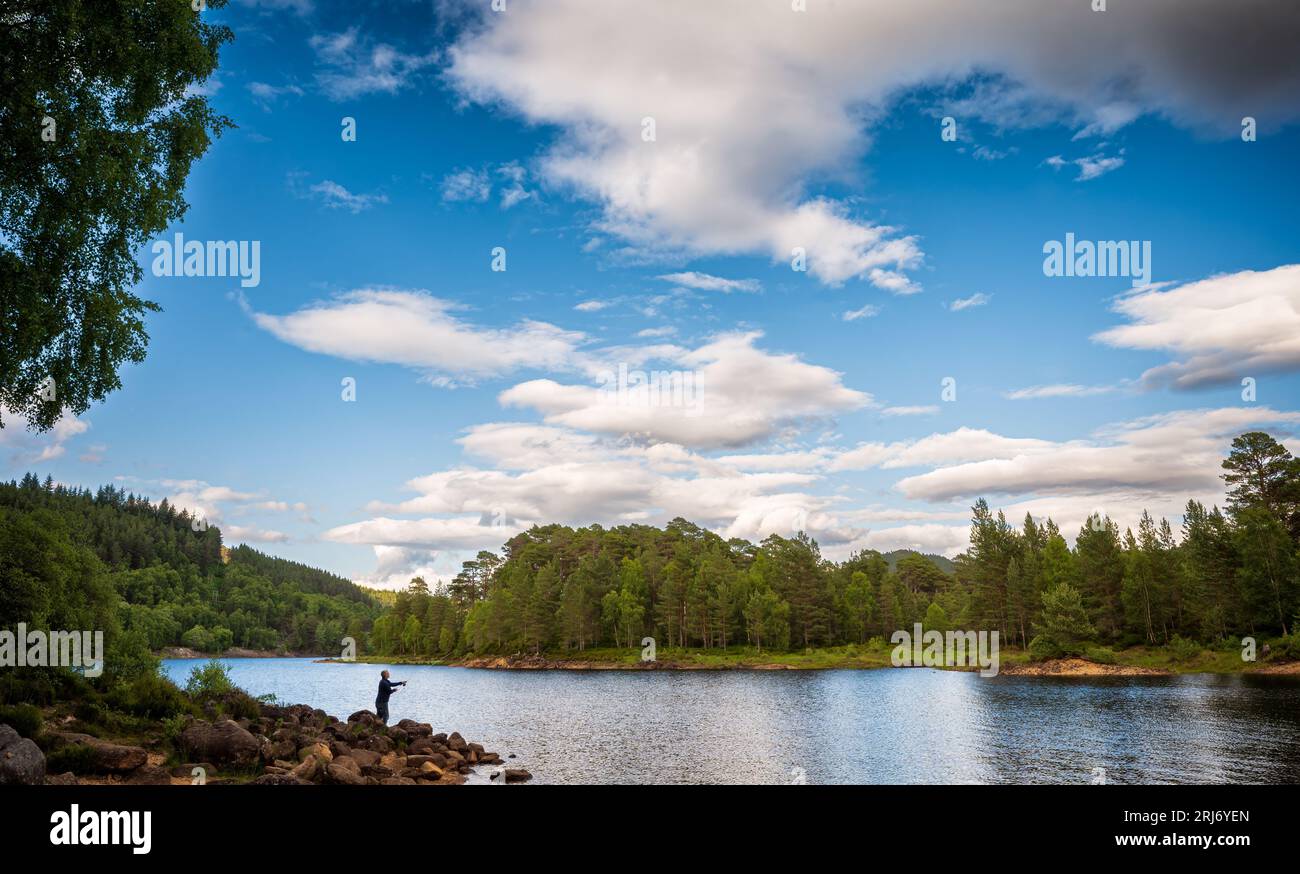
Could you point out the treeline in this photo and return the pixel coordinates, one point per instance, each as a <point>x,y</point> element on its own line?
<point>1224,574</point>
<point>74,559</point>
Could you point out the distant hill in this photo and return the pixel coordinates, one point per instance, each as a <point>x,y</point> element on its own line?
<point>152,577</point>
<point>938,561</point>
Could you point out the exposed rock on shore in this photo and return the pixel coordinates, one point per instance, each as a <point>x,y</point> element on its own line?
<point>1076,667</point>
<point>293,745</point>
<point>21,761</point>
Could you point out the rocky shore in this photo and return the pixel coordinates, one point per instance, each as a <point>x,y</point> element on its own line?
<point>284,746</point>
<point>1076,667</point>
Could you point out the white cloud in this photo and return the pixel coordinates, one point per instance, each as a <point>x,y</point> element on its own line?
<point>706,282</point>
<point>965,303</point>
<point>864,312</point>
<point>593,306</point>
<point>1089,167</point>
<point>733,394</point>
<point>654,333</point>
<point>475,185</point>
<point>1172,453</point>
<point>467,185</point>
<point>754,104</point>
<point>1220,329</point>
<point>417,330</point>
<point>1059,390</point>
<point>335,196</point>
<point>30,447</point>
<point>267,94</point>
<point>925,410</point>
<point>353,65</point>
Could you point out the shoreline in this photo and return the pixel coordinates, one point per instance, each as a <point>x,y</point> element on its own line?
<point>1018,665</point>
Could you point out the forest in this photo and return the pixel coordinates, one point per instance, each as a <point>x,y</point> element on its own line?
<point>1225,574</point>
<point>150,577</point>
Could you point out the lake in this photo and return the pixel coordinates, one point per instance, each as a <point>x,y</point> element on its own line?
<point>914,725</point>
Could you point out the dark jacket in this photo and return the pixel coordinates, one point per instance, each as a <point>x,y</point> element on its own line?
<point>386,688</point>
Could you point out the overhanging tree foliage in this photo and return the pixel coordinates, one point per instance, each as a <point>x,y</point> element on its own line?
<point>100,122</point>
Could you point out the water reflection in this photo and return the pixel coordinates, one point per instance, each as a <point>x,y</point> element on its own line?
<point>884,726</point>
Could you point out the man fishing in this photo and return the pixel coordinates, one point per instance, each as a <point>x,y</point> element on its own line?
<point>386,688</point>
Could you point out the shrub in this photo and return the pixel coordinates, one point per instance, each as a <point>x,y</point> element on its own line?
<point>90,711</point>
<point>1286,648</point>
<point>1042,648</point>
<point>76,758</point>
<point>22,718</point>
<point>211,680</point>
<point>153,696</point>
<point>238,704</point>
<point>1101,655</point>
<point>1183,649</point>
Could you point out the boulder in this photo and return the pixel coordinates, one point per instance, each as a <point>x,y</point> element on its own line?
<point>348,763</point>
<point>415,729</point>
<point>365,717</point>
<point>224,743</point>
<point>365,758</point>
<point>397,781</point>
<point>457,743</point>
<point>319,750</point>
<point>421,746</point>
<point>379,743</point>
<point>309,770</point>
<point>148,775</point>
<point>338,774</point>
<point>21,761</point>
<point>65,779</point>
<point>517,775</point>
<point>286,748</point>
<point>107,757</point>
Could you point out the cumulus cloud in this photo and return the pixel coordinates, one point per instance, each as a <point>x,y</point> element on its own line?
<point>415,329</point>
<point>30,447</point>
<point>727,392</point>
<point>214,504</point>
<point>753,104</point>
<point>1172,453</point>
<point>1220,329</point>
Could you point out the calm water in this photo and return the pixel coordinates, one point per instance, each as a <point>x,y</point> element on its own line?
<point>875,726</point>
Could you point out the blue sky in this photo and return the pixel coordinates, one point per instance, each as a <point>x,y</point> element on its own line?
<point>477,406</point>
